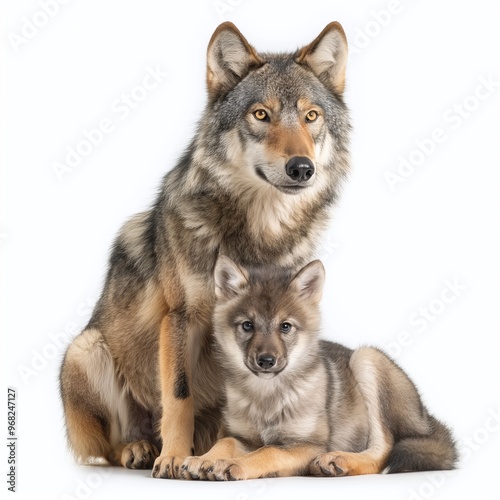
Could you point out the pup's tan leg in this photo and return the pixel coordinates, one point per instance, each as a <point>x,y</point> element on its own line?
<point>365,364</point>
<point>196,467</point>
<point>268,461</point>
<point>177,422</point>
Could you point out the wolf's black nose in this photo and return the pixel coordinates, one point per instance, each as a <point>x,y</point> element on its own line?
<point>266,361</point>
<point>299,168</point>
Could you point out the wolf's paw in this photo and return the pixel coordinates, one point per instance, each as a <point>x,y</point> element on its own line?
<point>329,464</point>
<point>196,468</point>
<point>138,455</point>
<point>226,470</point>
<point>167,467</point>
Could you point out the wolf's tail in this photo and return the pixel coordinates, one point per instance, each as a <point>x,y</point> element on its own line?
<point>434,451</point>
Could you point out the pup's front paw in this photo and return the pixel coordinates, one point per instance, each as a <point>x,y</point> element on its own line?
<point>226,470</point>
<point>330,465</point>
<point>196,468</point>
<point>167,467</point>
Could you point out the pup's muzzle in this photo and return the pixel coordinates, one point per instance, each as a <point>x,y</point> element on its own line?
<point>266,361</point>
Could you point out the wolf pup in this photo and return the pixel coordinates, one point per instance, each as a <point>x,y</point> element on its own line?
<point>298,405</point>
<point>257,184</point>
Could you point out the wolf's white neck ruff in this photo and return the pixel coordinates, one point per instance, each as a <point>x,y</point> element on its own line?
<point>269,211</point>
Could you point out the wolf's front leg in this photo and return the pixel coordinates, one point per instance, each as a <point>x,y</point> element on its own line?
<point>201,467</point>
<point>177,422</point>
<point>268,461</point>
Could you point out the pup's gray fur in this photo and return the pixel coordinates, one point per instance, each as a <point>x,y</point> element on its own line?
<point>299,405</point>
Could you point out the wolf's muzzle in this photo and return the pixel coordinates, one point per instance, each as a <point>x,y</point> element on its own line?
<point>299,169</point>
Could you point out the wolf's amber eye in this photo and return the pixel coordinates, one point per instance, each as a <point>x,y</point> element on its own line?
<point>261,115</point>
<point>312,116</point>
<point>247,326</point>
<point>285,327</point>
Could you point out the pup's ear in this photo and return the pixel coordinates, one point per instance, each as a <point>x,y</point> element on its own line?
<point>230,280</point>
<point>309,281</point>
<point>327,57</point>
<point>229,59</point>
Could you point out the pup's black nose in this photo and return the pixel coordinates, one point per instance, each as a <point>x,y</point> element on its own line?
<point>299,168</point>
<point>266,361</point>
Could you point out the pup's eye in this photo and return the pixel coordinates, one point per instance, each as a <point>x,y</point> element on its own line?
<point>261,115</point>
<point>285,327</point>
<point>247,326</point>
<point>312,116</point>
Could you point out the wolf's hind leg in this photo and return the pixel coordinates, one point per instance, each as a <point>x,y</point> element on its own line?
<point>88,420</point>
<point>139,444</point>
<point>102,420</point>
<point>136,455</point>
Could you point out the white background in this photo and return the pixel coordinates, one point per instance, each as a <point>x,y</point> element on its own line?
<point>388,253</point>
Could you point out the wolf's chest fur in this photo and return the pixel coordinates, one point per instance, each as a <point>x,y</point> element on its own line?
<point>253,230</point>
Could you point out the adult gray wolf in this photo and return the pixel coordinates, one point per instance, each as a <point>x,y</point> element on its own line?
<point>256,184</point>
<point>298,405</point>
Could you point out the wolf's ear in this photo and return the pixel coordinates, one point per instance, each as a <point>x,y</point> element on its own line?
<point>229,59</point>
<point>327,57</point>
<point>229,278</point>
<point>309,281</point>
